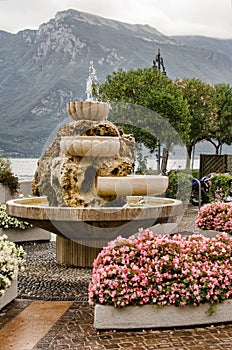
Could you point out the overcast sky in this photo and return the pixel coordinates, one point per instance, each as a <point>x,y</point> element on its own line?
<point>171,17</point>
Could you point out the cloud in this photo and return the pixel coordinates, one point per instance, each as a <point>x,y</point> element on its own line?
<point>208,17</point>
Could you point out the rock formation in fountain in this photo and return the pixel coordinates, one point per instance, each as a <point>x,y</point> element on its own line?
<point>70,180</point>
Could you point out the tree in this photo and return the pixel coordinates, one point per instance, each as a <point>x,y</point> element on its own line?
<point>202,104</point>
<point>220,125</point>
<point>159,97</point>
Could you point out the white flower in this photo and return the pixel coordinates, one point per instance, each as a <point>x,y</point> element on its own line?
<point>12,259</point>
<point>7,222</point>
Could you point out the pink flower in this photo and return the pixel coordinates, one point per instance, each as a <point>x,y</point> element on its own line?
<point>162,270</point>
<point>215,216</point>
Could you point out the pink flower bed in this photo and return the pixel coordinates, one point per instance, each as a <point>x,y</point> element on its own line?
<point>162,270</point>
<point>215,216</point>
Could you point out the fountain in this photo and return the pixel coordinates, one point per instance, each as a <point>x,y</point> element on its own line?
<point>83,190</point>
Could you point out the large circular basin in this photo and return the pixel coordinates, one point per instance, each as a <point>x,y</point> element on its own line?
<point>88,110</point>
<point>102,223</point>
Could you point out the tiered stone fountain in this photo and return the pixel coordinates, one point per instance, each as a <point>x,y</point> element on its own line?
<point>83,189</point>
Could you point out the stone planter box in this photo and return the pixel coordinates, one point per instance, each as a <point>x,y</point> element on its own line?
<point>32,234</point>
<point>5,194</point>
<point>9,295</point>
<point>209,233</point>
<point>149,316</point>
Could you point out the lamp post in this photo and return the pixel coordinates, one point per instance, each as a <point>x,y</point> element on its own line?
<point>160,66</point>
<point>160,63</point>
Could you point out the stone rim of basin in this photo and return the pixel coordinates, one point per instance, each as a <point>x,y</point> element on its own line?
<point>94,224</point>
<point>28,207</point>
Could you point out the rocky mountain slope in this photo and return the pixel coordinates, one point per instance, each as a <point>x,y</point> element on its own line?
<point>41,70</point>
<point>223,46</point>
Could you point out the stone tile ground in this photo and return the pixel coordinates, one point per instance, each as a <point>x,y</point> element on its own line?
<point>44,279</point>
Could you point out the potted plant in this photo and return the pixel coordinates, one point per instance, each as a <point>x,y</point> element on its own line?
<point>162,281</point>
<point>12,259</point>
<point>216,217</point>
<point>20,230</point>
<point>9,183</point>
<point>219,188</point>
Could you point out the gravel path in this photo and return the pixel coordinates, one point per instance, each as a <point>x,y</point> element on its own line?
<point>44,279</point>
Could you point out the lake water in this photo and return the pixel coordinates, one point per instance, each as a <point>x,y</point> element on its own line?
<point>25,168</point>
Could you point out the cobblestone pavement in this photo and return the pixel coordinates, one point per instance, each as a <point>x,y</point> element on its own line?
<point>74,330</point>
<point>43,279</point>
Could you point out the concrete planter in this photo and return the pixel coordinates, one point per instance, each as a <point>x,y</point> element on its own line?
<point>9,295</point>
<point>209,233</point>
<point>149,316</point>
<point>5,194</point>
<point>32,234</point>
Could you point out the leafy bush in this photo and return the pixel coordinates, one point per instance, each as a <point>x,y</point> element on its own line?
<point>7,178</point>
<point>179,186</point>
<point>218,187</point>
<point>162,270</point>
<point>12,259</point>
<point>215,216</point>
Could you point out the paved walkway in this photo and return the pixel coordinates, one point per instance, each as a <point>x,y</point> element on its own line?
<point>52,312</point>
<point>30,324</point>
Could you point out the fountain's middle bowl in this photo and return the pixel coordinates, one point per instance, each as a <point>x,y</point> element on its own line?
<point>90,146</point>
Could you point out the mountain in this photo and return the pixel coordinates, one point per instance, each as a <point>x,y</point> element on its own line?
<point>41,70</point>
<point>223,46</point>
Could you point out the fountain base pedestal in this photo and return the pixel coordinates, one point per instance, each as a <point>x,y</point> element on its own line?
<point>81,253</point>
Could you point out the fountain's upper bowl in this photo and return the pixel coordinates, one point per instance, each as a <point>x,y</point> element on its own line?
<point>88,110</point>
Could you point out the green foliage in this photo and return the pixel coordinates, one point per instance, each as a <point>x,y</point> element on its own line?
<point>201,99</point>
<point>172,186</point>
<point>210,108</point>
<point>195,173</point>
<point>219,188</point>
<point>221,127</point>
<point>202,107</point>
<point>141,136</point>
<point>156,93</point>
<point>179,185</point>
<point>7,178</point>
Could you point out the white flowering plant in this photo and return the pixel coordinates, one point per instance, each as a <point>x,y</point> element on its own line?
<point>7,222</point>
<point>12,259</point>
<point>163,270</point>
